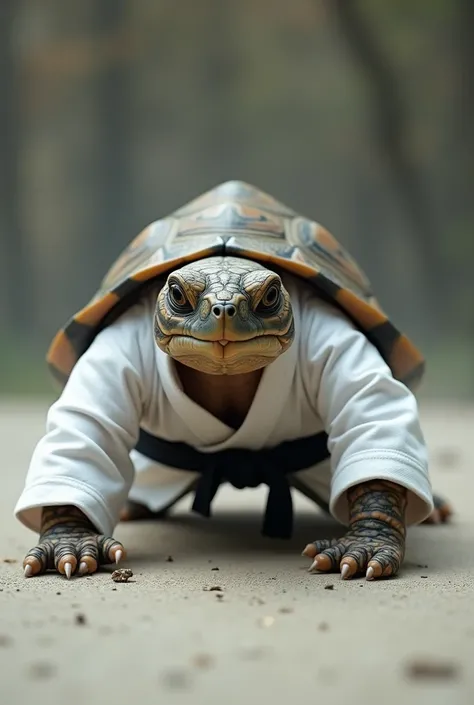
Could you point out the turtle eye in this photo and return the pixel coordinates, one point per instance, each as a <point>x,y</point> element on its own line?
<point>270,299</point>
<point>178,298</point>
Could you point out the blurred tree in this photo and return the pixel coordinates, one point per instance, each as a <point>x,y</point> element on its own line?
<point>391,129</point>
<point>115,219</point>
<point>460,187</point>
<point>15,265</point>
<point>220,78</point>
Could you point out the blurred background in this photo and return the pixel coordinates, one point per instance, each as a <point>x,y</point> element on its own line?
<point>357,113</point>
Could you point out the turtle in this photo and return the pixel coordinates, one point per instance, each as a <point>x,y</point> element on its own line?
<point>216,264</point>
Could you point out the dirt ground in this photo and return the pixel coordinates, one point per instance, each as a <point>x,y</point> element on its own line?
<point>272,631</point>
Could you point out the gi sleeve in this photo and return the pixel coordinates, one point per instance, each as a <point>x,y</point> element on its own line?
<point>371,419</point>
<point>84,458</point>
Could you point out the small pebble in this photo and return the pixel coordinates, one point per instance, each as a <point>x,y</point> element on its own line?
<point>286,610</point>
<point>214,588</point>
<point>428,669</point>
<point>170,559</point>
<point>10,560</point>
<point>122,575</point>
<point>323,627</point>
<point>80,619</point>
<point>329,587</point>
<point>215,568</point>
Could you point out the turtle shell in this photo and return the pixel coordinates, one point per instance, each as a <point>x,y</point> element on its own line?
<point>240,220</point>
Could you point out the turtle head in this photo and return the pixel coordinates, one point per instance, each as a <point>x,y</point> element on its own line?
<point>224,316</point>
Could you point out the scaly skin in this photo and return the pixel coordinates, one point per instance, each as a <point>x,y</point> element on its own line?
<point>69,542</point>
<point>375,542</point>
<point>441,513</point>
<point>224,316</point>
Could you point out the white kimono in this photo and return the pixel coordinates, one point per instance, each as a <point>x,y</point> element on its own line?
<point>330,379</point>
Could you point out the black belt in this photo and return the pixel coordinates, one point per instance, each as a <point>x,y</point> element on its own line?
<point>243,468</point>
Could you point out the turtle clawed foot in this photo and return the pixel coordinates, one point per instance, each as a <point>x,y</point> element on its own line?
<point>441,513</point>
<point>133,511</point>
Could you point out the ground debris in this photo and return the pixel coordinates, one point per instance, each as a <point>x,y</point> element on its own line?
<point>170,559</point>
<point>329,587</point>
<point>10,560</point>
<point>122,575</point>
<point>203,661</point>
<point>214,588</point>
<point>80,619</point>
<point>286,610</point>
<point>432,669</point>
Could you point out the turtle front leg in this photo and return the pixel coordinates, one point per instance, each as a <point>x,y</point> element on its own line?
<point>375,542</point>
<point>70,543</point>
<point>134,511</point>
<point>441,513</point>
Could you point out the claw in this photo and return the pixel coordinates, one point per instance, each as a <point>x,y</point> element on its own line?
<point>345,570</point>
<point>28,571</point>
<point>309,551</point>
<point>68,570</point>
<point>370,573</point>
<point>118,556</point>
<point>83,568</point>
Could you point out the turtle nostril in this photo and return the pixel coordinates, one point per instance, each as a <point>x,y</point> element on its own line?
<point>219,309</point>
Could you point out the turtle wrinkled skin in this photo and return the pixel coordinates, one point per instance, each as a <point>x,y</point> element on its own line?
<point>222,309</point>
<point>224,315</point>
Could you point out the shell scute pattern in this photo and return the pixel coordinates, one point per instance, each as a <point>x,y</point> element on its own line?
<point>240,220</point>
